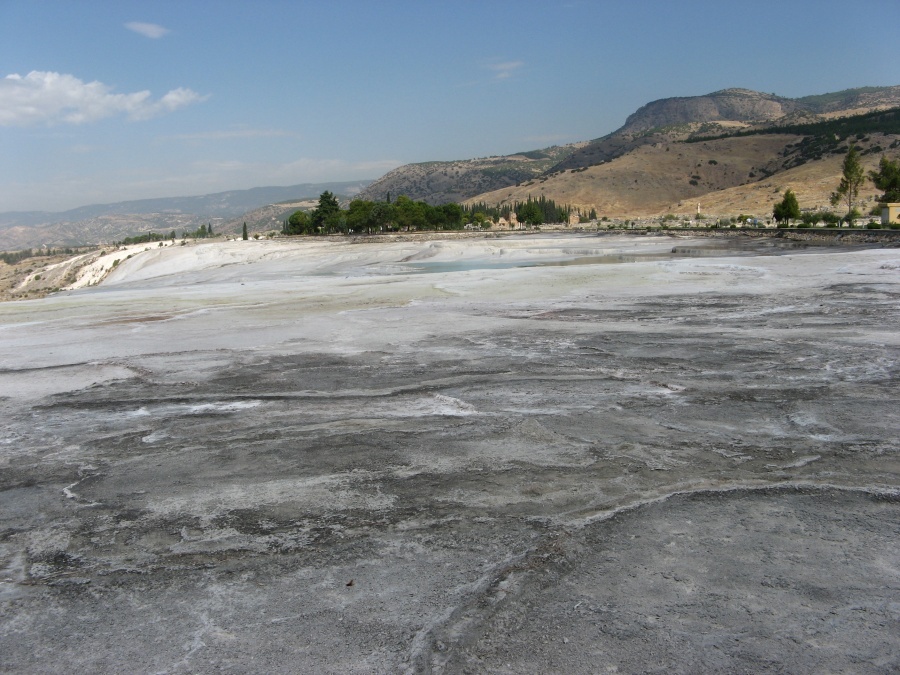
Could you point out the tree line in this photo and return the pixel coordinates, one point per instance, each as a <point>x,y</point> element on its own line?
<point>530,212</point>
<point>202,232</point>
<point>886,178</point>
<point>364,216</point>
<point>407,215</point>
<point>13,257</point>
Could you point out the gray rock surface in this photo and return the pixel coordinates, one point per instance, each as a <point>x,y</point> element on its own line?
<point>329,457</point>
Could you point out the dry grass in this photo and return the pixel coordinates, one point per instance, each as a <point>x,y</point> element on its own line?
<point>731,176</point>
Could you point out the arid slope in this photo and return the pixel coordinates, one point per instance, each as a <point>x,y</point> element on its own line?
<point>725,176</point>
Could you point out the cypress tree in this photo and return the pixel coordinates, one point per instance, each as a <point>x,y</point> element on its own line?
<point>852,178</point>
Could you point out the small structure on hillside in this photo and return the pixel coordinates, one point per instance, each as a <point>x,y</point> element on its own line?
<point>890,213</point>
<point>574,219</point>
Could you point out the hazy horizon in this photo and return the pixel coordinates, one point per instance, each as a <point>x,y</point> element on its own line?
<point>102,103</point>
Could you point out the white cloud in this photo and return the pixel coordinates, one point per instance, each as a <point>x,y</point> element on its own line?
<point>46,97</point>
<point>150,30</point>
<point>505,69</point>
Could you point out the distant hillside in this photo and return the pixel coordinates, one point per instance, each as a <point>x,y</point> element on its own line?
<point>732,105</point>
<point>747,171</point>
<point>651,177</point>
<point>100,223</point>
<point>733,149</point>
<point>591,175</point>
<point>723,112</point>
<point>735,107</point>
<point>271,216</point>
<point>456,181</point>
<point>852,99</point>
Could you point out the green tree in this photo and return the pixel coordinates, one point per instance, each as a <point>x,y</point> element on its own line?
<point>409,214</point>
<point>887,179</point>
<point>531,212</point>
<point>244,233</point>
<point>787,208</point>
<point>336,222</point>
<point>298,223</point>
<point>359,215</point>
<point>382,216</point>
<point>852,177</point>
<point>453,215</point>
<point>326,214</point>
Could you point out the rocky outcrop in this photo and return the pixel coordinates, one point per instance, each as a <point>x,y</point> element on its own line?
<point>733,105</point>
<point>752,107</point>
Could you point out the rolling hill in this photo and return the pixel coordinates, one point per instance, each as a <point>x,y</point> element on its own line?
<point>731,151</point>
<point>111,222</point>
<point>673,153</point>
<point>443,182</point>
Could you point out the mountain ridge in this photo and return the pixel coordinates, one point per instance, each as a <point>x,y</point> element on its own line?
<point>109,222</point>
<point>659,125</point>
<point>626,172</point>
<point>215,204</point>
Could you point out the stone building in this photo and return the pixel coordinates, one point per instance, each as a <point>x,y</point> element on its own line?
<point>890,213</point>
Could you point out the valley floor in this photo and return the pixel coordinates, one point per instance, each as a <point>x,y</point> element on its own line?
<point>552,453</point>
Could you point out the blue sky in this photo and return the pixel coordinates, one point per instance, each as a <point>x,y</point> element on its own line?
<point>118,100</point>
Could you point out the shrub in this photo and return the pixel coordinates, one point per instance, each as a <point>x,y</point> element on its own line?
<point>814,218</point>
<point>853,215</point>
<point>873,226</point>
